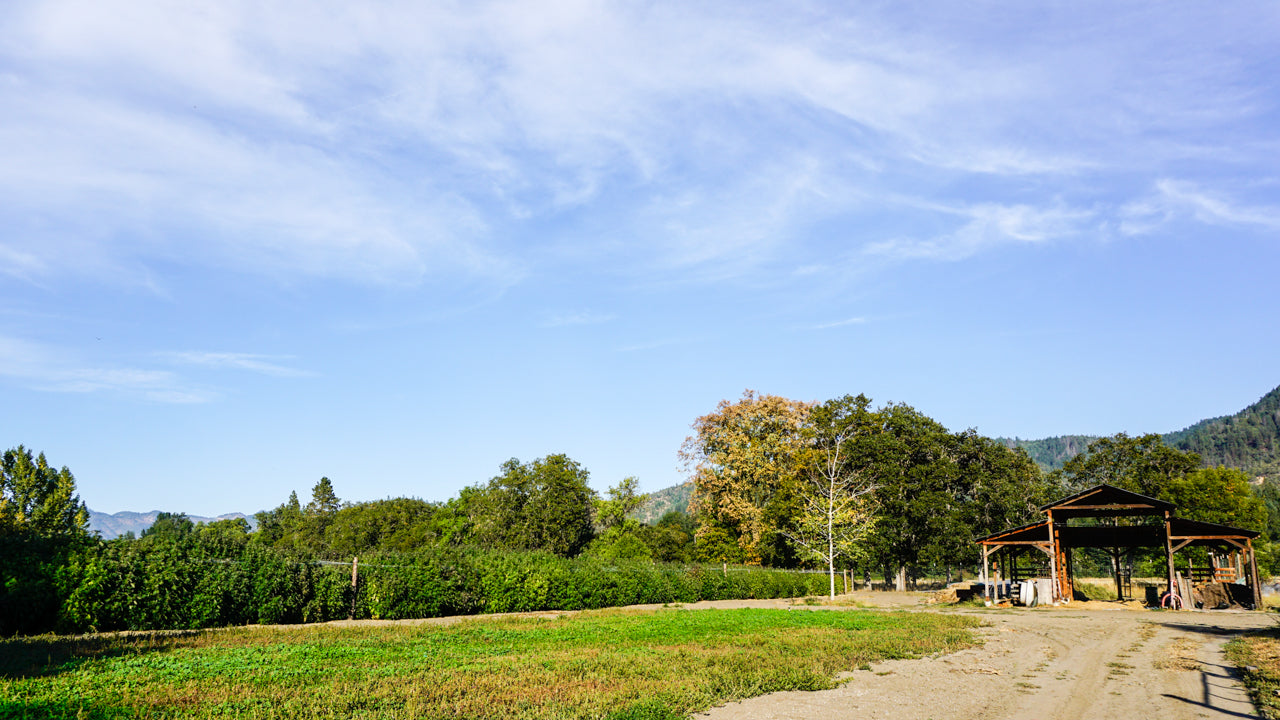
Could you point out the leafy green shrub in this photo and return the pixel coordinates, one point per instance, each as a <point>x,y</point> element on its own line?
<point>196,580</point>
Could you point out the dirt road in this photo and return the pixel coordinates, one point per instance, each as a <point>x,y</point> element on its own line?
<point>1047,664</point>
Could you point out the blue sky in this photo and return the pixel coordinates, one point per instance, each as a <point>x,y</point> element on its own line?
<point>248,244</point>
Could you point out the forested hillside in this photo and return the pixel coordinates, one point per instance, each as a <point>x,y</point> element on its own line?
<point>1248,440</point>
<point>1051,453</point>
<point>660,503</point>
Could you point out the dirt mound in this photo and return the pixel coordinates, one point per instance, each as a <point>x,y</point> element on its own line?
<point>1216,596</point>
<point>955,593</point>
<point>944,597</point>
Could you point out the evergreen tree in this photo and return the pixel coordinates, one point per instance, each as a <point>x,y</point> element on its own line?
<point>42,527</point>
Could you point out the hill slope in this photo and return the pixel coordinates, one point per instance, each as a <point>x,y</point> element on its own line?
<point>663,501</point>
<point>1249,440</point>
<point>1051,453</point>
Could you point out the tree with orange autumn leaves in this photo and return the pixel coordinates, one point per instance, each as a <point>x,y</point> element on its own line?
<point>746,462</point>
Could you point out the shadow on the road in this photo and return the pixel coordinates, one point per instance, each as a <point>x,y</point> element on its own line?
<point>1221,686</point>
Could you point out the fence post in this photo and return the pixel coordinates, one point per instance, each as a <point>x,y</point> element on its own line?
<point>355,583</point>
<point>724,567</point>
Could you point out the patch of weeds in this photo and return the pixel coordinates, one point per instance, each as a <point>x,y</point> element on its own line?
<point>1119,668</point>
<point>1181,655</point>
<point>1257,655</point>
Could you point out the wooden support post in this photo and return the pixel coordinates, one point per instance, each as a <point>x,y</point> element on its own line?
<point>1168,552</point>
<point>1115,573</point>
<point>1253,577</point>
<point>986,575</point>
<point>355,586</point>
<point>1071,575</point>
<point>1053,559</point>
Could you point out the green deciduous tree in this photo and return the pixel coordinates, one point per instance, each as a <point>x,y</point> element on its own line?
<point>621,537</point>
<point>671,539</point>
<point>914,490</point>
<point>545,504</point>
<point>395,524</point>
<point>623,499</point>
<point>170,526</point>
<point>1218,495</point>
<point>1141,464</point>
<point>281,526</point>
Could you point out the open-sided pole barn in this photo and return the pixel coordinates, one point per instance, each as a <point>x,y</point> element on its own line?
<point>1115,519</point>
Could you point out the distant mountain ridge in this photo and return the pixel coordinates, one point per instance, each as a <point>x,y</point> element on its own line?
<point>113,525</point>
<point>1248,440</point>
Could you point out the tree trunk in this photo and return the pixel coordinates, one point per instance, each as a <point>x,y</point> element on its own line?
<point>900,581</point>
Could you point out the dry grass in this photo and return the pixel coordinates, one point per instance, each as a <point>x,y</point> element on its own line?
<point>1180,655</point>
<point>1258,657</point>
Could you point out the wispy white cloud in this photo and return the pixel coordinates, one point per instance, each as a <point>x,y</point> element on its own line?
<point>263,364</point>
<point>650,345</point>
<point>986,226</point>
<point>841,323</point>
<point>46,369</point>
<point>578,318</point>
<point>1173,200</point>
<point>398,142</point>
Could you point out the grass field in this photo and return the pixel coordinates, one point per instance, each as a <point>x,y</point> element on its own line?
<point>607,664</point>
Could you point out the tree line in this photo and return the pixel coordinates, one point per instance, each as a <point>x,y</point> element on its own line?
<point>777,483</point>
<point>912,496</point>
<point>534,537</point>
<point>544,505</point>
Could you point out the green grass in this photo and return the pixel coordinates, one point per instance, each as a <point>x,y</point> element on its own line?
<point>615,665</point>
<point>1257,655</point>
